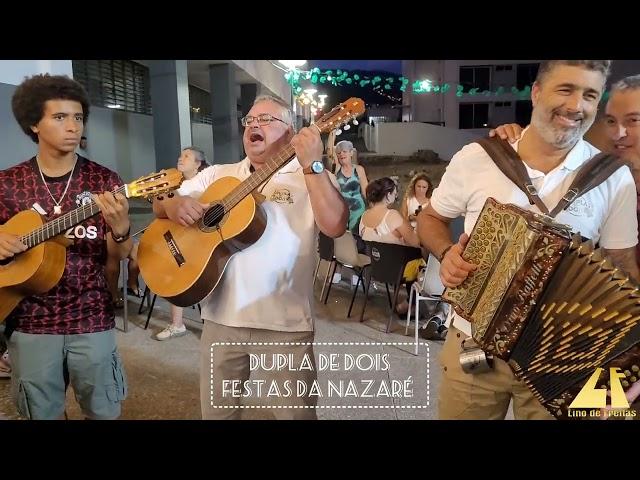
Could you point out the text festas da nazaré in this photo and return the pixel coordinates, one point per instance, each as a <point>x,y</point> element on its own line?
<point>362,388</point>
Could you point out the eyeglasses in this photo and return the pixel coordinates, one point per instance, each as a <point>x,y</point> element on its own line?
<point>262,118</point>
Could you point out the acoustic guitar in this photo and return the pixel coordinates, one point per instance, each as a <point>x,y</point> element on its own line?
<point>185,264</point>
<point>39,268</point>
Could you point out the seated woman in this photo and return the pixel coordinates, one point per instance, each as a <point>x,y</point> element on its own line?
<point>416,197</point>
<point>381,223</point>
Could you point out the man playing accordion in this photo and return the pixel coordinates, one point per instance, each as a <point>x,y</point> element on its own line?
<point>565,98</point>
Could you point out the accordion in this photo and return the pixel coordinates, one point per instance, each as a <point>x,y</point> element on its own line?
<point>549,303</point>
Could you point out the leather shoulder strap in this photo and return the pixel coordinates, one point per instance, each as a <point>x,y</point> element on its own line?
<point>510,163</point>
<point>592,173</point>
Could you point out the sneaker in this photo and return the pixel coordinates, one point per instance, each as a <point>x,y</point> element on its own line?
<point>354,280</point>
<point>337,278</point>
<point>171,331</point>
<point>430,330</point>
<point>5,366</point>
<point>442,332</point>
<point>118,303</point>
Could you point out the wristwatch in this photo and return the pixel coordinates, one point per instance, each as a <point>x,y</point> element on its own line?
<point>315,168</point>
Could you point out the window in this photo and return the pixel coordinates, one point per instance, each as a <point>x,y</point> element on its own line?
<point>523,112</point>
<point>526,74</point>
<point>474,115</point>
<point>475,77</point>
<point>503,104</point>
<point>119,84</point>
<point>502,68</point>
<point>200,102</point>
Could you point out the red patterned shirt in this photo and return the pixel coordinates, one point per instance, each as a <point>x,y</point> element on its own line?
<point>80,302</point>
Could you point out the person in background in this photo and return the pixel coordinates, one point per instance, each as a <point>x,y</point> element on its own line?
<point>416,197</point>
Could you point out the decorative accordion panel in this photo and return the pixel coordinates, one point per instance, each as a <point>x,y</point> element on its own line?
<point>516,252</point>
<point>549,303</point>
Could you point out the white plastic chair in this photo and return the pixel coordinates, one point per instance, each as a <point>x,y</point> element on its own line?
<point>429,289</point>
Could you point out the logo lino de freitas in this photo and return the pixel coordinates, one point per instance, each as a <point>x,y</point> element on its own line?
<point>591,397</point>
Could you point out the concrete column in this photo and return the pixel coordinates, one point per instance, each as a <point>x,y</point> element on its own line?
<point>224,113</point>
<point>171,110</point>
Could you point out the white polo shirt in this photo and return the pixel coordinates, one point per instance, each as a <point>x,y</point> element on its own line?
<point>606,214</point>
<point>268,285</point>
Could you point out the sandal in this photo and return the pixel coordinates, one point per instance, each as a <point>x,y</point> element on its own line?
<point>134,291</point>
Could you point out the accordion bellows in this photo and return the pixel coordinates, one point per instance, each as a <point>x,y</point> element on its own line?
<point>547,302</point>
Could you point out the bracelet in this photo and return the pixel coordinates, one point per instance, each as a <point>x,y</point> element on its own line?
<point>123,238</point>
<point>444,252</point>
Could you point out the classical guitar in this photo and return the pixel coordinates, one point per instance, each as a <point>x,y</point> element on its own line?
<point>39,268</point>
<point>185,264</point>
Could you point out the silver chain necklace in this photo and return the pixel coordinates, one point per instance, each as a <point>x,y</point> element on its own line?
<point>57,209</point>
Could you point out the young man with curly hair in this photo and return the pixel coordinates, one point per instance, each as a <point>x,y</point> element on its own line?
<point>66,335</point>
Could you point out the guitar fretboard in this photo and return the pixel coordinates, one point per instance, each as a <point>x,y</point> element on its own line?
<point>57,226</point>
<point>258,177</point>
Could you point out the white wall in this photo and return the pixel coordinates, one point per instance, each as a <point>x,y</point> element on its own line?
<point>202,135</point>
<point>122,141</point>
<point>408,137</point>
<point>16,145</point>
<point>13,71</point>
<point>370,136</point>
<point>425,107</point>
<point>268,75</point>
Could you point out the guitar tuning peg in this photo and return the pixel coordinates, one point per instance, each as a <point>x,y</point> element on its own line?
<point>355,122</point>
<point>338,132</point>
<point>347,126</point>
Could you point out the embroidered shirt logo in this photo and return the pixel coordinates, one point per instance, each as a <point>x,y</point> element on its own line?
<point>281,195</point>
<point>83,198</point>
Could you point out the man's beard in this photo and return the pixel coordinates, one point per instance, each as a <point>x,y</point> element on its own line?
<point>560,138</point>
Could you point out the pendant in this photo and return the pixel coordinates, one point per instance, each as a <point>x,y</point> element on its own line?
<point>57,210</point>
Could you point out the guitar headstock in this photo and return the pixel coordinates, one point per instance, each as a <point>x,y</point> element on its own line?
<point>341,115</point>
<point>155,184</point>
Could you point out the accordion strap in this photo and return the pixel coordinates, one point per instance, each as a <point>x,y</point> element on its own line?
<point>595,171</point>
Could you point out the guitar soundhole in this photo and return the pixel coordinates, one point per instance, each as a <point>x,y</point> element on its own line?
<point>6,261</point>
<point>213,216</point>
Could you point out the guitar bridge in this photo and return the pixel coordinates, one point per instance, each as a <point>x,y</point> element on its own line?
<point>173,248</point>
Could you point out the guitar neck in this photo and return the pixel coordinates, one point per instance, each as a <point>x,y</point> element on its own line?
<point>70,219</point>
<point>258,177</point>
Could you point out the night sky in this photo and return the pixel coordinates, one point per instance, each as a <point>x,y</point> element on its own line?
<point>394,66</point>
